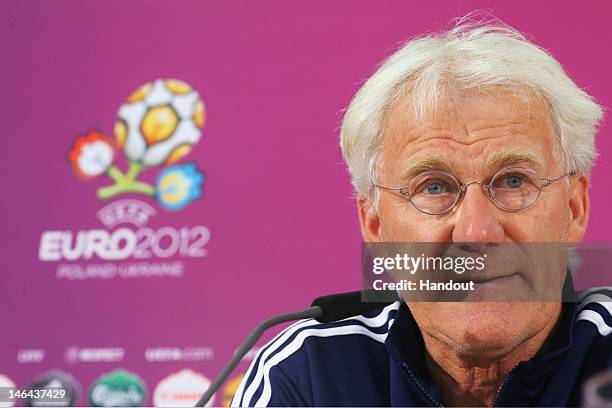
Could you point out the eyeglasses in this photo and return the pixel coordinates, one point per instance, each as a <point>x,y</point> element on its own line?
<point>437,192</point>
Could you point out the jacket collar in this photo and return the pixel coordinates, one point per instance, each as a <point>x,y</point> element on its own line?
<point>406,347</point>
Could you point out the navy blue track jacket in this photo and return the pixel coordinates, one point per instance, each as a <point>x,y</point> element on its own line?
<point>378,360</point>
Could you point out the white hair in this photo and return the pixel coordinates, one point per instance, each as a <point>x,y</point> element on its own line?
<point>471,56</point>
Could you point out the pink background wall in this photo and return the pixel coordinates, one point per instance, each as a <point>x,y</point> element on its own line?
<point>275,77</point>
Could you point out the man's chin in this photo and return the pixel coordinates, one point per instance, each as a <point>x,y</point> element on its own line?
<point>482,329</point>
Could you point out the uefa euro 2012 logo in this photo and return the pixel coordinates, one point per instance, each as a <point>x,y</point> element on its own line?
<point>157,126</point>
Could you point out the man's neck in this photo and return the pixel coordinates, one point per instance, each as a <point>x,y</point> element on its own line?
<point>468,379</point>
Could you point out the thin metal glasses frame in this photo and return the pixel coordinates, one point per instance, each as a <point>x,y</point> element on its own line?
<point>405,190</point>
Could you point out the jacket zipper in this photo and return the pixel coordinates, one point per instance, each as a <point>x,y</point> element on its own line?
<point>505,382</point>
<point>420,386</point>
<point>438,404</point>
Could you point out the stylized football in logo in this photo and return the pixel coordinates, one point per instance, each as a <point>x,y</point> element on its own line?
<point>157,126</point>
<point>160,122</point>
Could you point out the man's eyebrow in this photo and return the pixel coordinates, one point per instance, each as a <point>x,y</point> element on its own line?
<point>421,165</point>
<point>499,160</point>
<point>495,161</point>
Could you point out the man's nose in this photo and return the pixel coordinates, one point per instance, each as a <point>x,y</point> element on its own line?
<point>477,218</point>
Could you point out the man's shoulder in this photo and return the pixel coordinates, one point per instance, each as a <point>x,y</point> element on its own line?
<point>288,359</point>
<point>591,346</point>
<point>594,306</point>
<point>309,334</point>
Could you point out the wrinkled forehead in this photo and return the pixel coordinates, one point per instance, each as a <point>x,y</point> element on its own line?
<point>474,125</point>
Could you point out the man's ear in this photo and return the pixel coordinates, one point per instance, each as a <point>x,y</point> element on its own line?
<point>368,220</point>
<point>579,206</point>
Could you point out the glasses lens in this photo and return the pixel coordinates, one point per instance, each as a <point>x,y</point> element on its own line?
<point>515,188</point>
<point>434,192</point>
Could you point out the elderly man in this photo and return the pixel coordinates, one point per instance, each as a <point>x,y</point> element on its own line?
<point>438,143</point>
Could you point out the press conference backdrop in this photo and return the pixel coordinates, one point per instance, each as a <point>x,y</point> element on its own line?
<point>171,175</point>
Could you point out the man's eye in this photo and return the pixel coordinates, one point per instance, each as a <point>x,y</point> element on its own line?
<point>513,181</point>
<point>435,188</point>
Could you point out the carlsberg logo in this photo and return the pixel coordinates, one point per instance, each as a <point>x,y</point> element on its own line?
<point>104,396</point>
<point>119,388</point>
